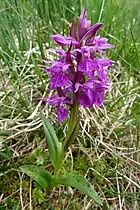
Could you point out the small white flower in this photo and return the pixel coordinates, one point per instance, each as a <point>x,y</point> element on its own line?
<point>31,51</point>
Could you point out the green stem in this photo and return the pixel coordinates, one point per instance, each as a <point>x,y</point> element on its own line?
<point>72,126</point>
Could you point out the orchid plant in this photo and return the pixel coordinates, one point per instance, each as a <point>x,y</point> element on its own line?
<point>78,78</point>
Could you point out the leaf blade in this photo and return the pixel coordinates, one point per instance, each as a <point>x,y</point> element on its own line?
<point>81,184</point>
<point>52,150</point>
<point>54,145</point>
<point>38,174</point>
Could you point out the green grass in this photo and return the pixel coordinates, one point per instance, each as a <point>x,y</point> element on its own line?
<point>107,149</point>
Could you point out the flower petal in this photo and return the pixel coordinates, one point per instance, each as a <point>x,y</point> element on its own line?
<point>87,65</point>
<point>44,99</point>
<point>102,75</point>
<point>83,24</point>
<point>92,31</point>
<point>60,51</point>
<point>64,41</point>
<point>99,99</point>
<point>58,66</point>
<point>87,98</point>
<point>77,86</point>
<point>59,79</point>
<point>102,43</point>
<point>54,100</point>
<point>103,64</point>
<point>73,30</point>
<point>62,113</point>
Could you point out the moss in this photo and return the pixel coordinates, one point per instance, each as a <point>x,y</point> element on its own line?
<point>9,183</point>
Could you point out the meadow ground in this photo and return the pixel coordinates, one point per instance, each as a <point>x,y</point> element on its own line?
<point>107,150</point>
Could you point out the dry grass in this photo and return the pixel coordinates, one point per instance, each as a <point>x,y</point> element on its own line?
<point>106,151</point>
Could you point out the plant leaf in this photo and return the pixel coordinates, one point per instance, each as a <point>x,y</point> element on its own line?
<point>81,184</point>
<point>7,150</point>
<point>6,153</point>
<point>40,175</point>
<point>54,145</point>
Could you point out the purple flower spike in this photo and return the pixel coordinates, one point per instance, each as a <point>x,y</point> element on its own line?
<point>81,71</point>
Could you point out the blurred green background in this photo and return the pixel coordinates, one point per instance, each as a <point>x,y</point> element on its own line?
<point>22,21</point>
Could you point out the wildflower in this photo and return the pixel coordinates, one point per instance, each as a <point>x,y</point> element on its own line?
<point>81,72</point>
